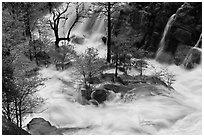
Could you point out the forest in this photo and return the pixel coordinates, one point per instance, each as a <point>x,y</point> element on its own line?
<point>101,68</point>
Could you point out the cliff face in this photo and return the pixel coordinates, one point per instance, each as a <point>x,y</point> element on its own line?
<point>9,128</point>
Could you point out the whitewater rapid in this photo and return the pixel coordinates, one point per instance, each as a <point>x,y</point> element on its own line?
<point>179,114</point>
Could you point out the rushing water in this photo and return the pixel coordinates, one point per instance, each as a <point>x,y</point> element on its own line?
<point>181,113</point>
<point>162,42</point>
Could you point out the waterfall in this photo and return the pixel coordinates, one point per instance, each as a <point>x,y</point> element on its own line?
<point>162,55</point>
<point>163,42</point>
<point>166,30</point>
<point>198,42</point>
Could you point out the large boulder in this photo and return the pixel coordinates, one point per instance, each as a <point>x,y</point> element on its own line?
<point>39,126</point>
<point>100,95</point>
<point>193,58</point>
<point>9,128</point>
<point>77,39</point>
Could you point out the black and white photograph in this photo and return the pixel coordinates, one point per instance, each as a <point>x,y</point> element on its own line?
<point>101,68</point>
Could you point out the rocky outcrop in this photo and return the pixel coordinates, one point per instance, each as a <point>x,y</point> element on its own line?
<point>9,128</point>
<point>117,88</point>
<point>145,90</point>
<point>184,30</point>
<point>103,91</point>
<point>39,126</point>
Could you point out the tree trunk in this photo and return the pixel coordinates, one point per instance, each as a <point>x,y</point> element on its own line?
<point>30,53</point>
<point>27,27</point>
<point>8,112</point>
<point>20,114</point>
<point>116,66</point>
<point>35,55</point>
<point>109,34</point>
<point>141,68</point>
<point>16,109</point>
<point>56,38</point>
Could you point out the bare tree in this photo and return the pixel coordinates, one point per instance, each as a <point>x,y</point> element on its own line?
<point>60,14</point>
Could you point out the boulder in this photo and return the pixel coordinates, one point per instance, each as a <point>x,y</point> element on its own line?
<point>100,95</point>
<point>9,128</point>
<point>93,80</point>
<point>104,39</point>
<point>39,126</point>
<point>77,39</point>
<point>108,77</point>
<point>193,58</point>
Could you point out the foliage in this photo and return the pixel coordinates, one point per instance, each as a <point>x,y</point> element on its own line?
<point>165,75</point>
<point>140,65</point>
<point>23,88</point>
<point>17,89</point>
<point>63,56</point>
<point>88,65</point>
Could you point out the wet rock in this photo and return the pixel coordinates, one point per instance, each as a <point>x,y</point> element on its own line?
<point>100,95</point>
<point>86,92</point>
<point>181,53</point>
<point>94,80</point>
<point>193,58</point>
<point>117,88</point>
<point>94,102</point>
<point>104,39</point>
<point>145,79</point>
<point>114,96</point>
<point>9,128</point>
<point>77,39</point>
<point>145,90</point>
<point>39,126</point>
<point>108,77</point>
<point>164,57</point>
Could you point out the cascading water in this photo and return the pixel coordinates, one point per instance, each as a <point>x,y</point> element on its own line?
<point>162,55</point>
<point>162,42</point>
<point>178,113</point>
